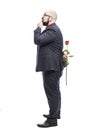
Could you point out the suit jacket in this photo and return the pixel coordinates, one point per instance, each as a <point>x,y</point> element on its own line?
<point>49,48</point>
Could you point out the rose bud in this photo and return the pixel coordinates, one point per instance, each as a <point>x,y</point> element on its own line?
<point>67,42</point>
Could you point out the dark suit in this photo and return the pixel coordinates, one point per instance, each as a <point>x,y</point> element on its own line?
<point>49,50</point>
<point>50,62</point>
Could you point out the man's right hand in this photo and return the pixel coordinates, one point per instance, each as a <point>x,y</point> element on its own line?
<point>40,25</point>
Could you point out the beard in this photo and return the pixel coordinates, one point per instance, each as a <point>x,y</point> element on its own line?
<point>45,23</point>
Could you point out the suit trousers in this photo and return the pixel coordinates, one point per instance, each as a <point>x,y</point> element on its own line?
<point>51,86</point>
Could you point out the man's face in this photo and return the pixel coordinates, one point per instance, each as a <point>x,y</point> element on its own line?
<point>45,19</point>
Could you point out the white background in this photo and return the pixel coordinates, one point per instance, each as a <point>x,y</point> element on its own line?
<point>22,97</point>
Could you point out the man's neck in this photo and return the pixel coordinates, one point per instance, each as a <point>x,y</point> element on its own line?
<point>50,24</point>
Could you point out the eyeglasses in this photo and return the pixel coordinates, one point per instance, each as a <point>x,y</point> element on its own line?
<point>46,15</point>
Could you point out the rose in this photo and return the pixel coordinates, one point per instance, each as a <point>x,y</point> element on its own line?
<point>66,55</point>
<point>66,42</point>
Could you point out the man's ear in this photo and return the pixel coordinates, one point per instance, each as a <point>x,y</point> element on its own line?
<point>50,19</point>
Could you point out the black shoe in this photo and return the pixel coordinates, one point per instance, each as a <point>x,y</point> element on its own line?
<point>47,116</point>
<point>47,124</point>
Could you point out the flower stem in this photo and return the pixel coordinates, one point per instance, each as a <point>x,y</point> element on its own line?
<point>66,75</point>
<point>66,66</point>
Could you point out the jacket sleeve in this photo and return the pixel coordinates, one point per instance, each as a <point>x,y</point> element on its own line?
<point>44,38</point>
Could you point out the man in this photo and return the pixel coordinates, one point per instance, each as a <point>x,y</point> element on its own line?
<point>50,62</point>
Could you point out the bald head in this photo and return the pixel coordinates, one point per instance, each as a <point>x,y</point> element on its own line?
<point>49,17</point>
<point>51,13</point>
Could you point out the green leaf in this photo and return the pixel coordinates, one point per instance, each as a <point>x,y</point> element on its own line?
<point>67,51</point>
<point>71,56</point>
<point>65,61</point>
